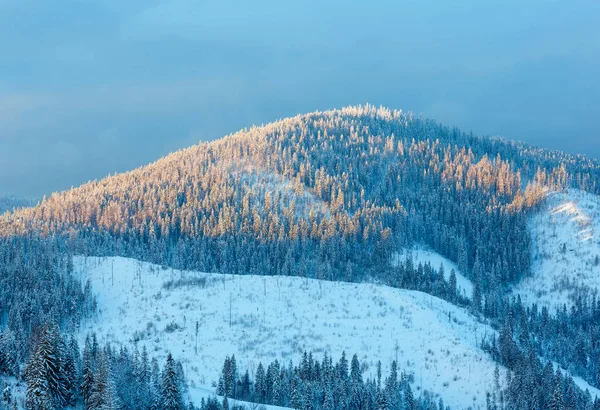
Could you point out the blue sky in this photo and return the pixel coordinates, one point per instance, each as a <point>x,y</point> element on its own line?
<point>89,88</point>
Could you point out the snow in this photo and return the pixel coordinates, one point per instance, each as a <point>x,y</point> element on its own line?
<point>18,389</point>
<point>421,255</point>
<point>260,318</point>
<point>583,385</point>
<point>570,220</point>
<point>579,382</point>
<point>198,393</point>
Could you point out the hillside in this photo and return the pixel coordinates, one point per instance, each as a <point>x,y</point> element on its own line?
<point>565,251</point>
<point>261,318</point>
<point>326,232</point>
<point>328,194</point>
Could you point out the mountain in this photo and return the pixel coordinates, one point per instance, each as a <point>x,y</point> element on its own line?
<point>326,194</point>
<point>384,210</point>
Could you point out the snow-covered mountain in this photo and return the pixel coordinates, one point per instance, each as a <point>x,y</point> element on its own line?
<point>565,237</point>
<point>344,196</point>
<point>261,318</point>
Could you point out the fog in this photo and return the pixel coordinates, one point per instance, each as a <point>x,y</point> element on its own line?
<point>89,88</point>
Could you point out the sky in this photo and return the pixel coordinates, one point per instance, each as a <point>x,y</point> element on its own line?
<point>89,88</point>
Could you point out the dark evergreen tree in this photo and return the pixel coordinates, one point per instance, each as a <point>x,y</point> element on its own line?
<point>170,392</point>
<point>44,373</point>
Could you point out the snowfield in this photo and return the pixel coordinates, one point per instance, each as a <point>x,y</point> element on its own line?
<point>565,250</point>
<point>261,318</point>
<point>421,255</point>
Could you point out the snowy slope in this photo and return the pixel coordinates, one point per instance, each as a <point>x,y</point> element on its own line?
<point>421,255</point>
<point>196,394</point>
<point>262,318</point>
<point>565,244</point>
<point>579,382</point>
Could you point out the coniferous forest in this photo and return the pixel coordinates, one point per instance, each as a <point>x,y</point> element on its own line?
<point>328,195</point>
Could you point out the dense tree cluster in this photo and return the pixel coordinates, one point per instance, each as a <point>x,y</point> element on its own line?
<point>571,337</point>
<point>322,385</point>
<point>404,274</point>
<point>36,287</point>
<point>314,385</point>
<point>57,376</point>
<point>531,384</point>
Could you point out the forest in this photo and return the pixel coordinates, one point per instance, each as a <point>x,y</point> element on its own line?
<point>329,195</point>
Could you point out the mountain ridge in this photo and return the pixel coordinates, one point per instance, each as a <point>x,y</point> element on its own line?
<point>364,173</point>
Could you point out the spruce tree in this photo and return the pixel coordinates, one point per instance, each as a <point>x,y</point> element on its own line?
<point>170,392</point>
<point>260,384</point>
<point>88,381</point>
<point>45,380</point>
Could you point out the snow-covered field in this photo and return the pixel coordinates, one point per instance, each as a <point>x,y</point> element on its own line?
<point>565,250</point>
<point>263,318</point>
<point>421,255</point>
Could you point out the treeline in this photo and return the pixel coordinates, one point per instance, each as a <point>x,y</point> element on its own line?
<point>316,385</point>
<point>531,383</point>
<point>58,376</point>
<point>404,274</point>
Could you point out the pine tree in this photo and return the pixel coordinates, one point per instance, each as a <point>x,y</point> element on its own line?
<point>45,382</point>
<point>343,367</point>
<point>260,387</point>
<point>296,393</point>
<point>355,373</point>
<point>409,398</point>
<point>88,382</point>
<point>232,377</point>
<point>70,377</point>
<point>38,394</point>
<point>452,286</point>
<point>556,401</point>
<point>328,402</point>
<point>221,386</point>
<point>170,392</point>
<point>382,401</point>
<point>99,390</point>
<point>476,298</point>
<point>144,394</point>
<point>8,353</point>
